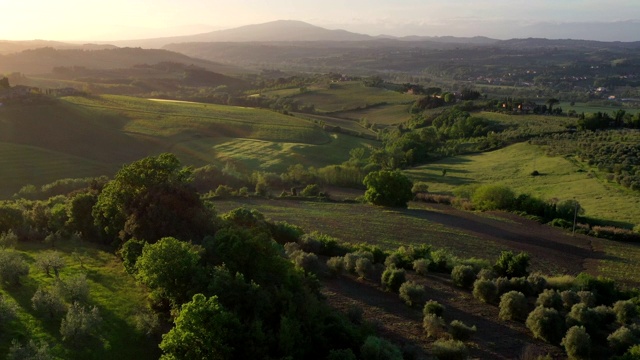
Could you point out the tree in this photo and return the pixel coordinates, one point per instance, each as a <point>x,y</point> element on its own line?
<point>169,267</point>
<point>48,301</point>
<point>80,323</point>
<point>50,260</point>
<point>203,330</point>
<point>12,267</point>
<point>150,199</point>
<point>388,188</point>
<point>551,102</point>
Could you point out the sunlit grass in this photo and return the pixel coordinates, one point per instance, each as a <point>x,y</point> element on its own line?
<point>512,166</point>
<point>115,293</point>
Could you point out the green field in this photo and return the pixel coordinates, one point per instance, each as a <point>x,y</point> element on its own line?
<point>594,108</point>
<point>116,294</point>
<point>77,137</point>
<point>560,178</point>
<point>383,115</point>
<point>351,96</point>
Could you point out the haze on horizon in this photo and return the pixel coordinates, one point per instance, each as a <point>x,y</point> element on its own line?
<point>86,20</point>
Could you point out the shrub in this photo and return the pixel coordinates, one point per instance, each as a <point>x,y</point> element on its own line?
<point>421,266</point>
<point>569,298</point>
<point>393,278</point>
<point>8,240</point>
<point>625,311</point>
<point>80,323</point>
<point>76,288</point>
<point>12,267</point>
<point>485,291</point>
<point>283,232</point>
<point>342,354</point>
<point>622,339</point>
<point>550,299</point>
<point>350,259</point>
<point>450,350</point>
<point>306,261</point>
<point>433,325</point>
<point>336,265</point>
<point>433,307</point>
<point>419,187</point>
<point>309,244</point>
<point>513,306</point>
<point>463,276</point>
<point>563,282</point>
<point>364,267</point>
<point>546,324</point>
<point>30,350</point>
<point>505,285</point>
<point>442,261</point>
<point>603,288</point>
<point>147,322</point>
<point>493,197</point>
<point>412,294</point>
<point>511,265</point>
<point>587,298</point>
<point>7,311</point>
<point>311,190</point>
<point>577,343</point>
<point>460,331</point>
<point>486,274</point>
<point>632,354</point>
<point>223,191</point>
<point>375,348</point>
<point>536,284</point>
<point>49,302</point>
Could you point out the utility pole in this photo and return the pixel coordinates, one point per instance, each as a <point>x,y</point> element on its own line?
<point>575,217</point>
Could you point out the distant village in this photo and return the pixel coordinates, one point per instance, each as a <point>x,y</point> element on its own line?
<point>29,94</point>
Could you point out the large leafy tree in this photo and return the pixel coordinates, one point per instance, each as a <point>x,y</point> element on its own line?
<point>150,199</point>
<point>170,268</point>
<point>388,188</point>
<point>203,330</point>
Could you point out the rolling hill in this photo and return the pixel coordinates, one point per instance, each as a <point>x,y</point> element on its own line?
<point>92,136</point>
<point>44,60</point>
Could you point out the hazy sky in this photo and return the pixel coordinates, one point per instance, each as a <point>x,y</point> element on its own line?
<point>127,19</point>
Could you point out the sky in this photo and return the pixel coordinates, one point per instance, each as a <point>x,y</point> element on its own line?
<point>85,20</point>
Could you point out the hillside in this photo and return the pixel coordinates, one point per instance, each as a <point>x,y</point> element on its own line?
<point>44,60</point>
<point>9,47</point>
<point>91,136</point>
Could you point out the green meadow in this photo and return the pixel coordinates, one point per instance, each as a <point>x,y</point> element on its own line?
<point>559,178</point>
<point>76,137</point>
<point>350,96</point>
<point>115,293</point>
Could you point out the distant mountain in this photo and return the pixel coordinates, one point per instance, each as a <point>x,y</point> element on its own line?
<point>476,40</point>
<point>44,60</point>
<point>275,31</point>
<point>626,31</point>
<point>568,43</point>
<point>9,47</point>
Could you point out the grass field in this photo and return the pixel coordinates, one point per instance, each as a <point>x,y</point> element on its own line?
<point>351,96</point>
<point>464,234</point>
<point>383,115</point>
<point>116,294</point>
<point>594,108</point>
<point>20,162</point>
<point>252,154</point>
<point>77,137</point>
<point>512,166</point>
